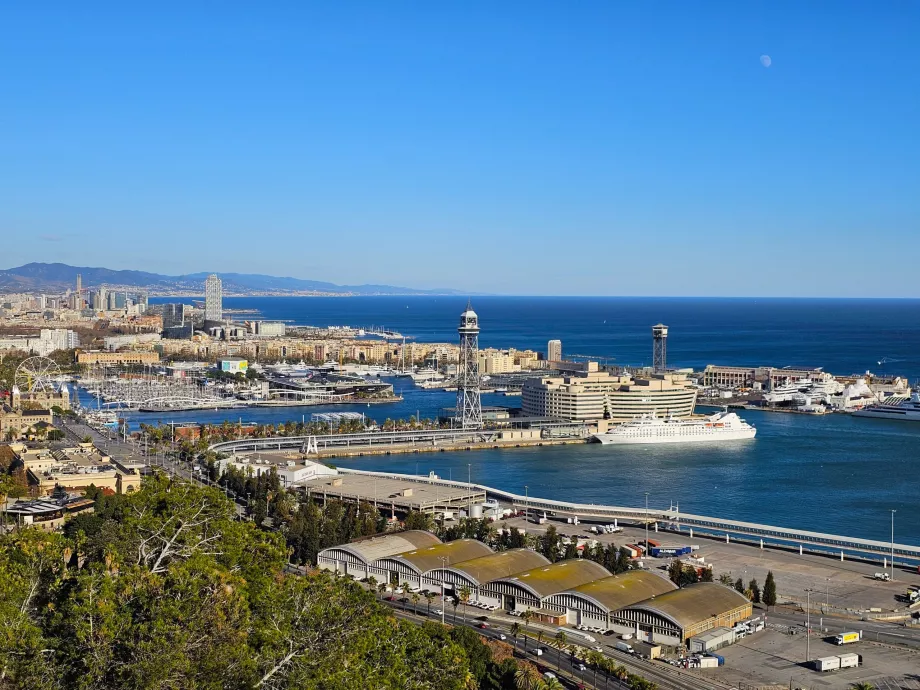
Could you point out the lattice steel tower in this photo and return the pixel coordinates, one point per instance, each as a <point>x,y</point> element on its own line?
<point>469,404</point>
<point>659,347</point>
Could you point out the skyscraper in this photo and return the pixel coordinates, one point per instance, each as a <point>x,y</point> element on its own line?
<point>469,403</point>
<point>554,351</point>
<point>213,299</point>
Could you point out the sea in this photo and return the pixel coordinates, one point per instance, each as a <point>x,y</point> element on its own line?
<point>831,473</point>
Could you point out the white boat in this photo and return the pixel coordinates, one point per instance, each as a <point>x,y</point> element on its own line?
<point>787,391</point>
<point>907,410</point>
<point>722,426</point>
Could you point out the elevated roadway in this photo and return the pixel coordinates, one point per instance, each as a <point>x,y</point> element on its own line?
<point>690,525</point>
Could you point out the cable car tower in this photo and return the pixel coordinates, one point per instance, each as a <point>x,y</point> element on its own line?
<point>469,404</point>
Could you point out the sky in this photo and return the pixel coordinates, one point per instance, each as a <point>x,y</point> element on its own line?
<point>546,148</point>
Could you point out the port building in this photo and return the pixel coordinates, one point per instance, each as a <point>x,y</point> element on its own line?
<point>528,589</point>
<point>476,573</point>
<point>594,602</point>
<point>411,566</point>
<point>600,395</point>
<point>715,376</point>
<point>674,617</point>
<point>357,557</point>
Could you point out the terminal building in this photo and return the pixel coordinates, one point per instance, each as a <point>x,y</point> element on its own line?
<point>600,395</point>
<point>411,566</point>
<point>357,557</point>
<point>715,376</point>
<point>475,574</point>
<point>528,589</point>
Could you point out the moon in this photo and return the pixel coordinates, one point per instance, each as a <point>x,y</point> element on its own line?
<point>765,60</point>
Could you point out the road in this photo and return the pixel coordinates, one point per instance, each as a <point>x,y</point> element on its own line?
<point>665,676</point>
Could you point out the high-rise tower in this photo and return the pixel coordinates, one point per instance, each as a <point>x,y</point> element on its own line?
<point>213,299</point>
<point>554,351</point>
<point>659,347</point>
<point>469,404</point>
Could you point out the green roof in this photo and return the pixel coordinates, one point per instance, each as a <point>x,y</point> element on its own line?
<point>430,557</point>
<point>370,549</point>
<point>622,590</point>
<point>694,603</point>
<point>502,564</point>
<point>558,577</point>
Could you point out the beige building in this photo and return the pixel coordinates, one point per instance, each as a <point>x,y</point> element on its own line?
<point>75,469</point>
<point>554,351</point>
<point>97,357</point>
<point>597,396</point>
<point>14,422</point>
<point>768,377</point>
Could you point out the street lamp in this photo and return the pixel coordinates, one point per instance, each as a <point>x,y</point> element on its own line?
<point>646,525</point>
<point>807,625</point>
<point>526,504</point>
<point>893,511</point>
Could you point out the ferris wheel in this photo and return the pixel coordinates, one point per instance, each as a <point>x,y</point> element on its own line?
<point>37,375</point>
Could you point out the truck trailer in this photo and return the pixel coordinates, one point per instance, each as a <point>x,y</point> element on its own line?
<point>848,637</point>
<point>828,663</point>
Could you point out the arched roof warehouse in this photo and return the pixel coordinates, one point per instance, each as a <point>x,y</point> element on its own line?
<point>615,592</point>
<point>369,549</point>
<point>557,577</point>
<point>479,571</point>
<point>690,610</point>
<point>429,557</point>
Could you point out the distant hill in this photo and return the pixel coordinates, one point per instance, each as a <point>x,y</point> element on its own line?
<point>59,277</point>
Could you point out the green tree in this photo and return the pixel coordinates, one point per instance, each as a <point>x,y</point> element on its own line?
<point>739,586</point>
<point>707,575</point>
<point>465,593</point>
<point>769,590</point>
<point>675,572</point>
<point>725,579</point>
<point>755,591</point>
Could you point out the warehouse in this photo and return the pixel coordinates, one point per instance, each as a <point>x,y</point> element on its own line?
<point>592,603</point>
<point>356,557</point>
<point>528,589</point>
<point>410,566</point>
<point>674,617</point>
<point>475,573</point>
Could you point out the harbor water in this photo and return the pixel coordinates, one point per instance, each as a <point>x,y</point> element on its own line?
<point>831,473</point>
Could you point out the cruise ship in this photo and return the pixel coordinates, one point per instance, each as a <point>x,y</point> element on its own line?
<point>907,410</point>
<point>722,426</point>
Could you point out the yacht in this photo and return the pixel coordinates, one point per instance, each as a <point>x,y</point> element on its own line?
<point>787,391</point>
<point>722,426</point>
<point>906,410</point>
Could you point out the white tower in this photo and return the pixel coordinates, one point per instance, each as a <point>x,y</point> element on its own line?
<point>213,299</point>
<point>469,405</point>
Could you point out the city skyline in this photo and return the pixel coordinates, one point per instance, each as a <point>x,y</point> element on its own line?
<point>754,150</point>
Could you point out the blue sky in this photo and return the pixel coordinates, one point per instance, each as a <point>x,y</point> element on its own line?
<point>608,148</point>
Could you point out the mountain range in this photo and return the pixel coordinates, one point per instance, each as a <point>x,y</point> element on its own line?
<point>58,277</point>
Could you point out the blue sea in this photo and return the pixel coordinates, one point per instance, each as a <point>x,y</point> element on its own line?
<point>833,473</point>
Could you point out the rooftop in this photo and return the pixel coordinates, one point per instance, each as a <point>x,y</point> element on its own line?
<point>430,557</point>
<point>502,564</point>
<point>694,603</point>
<point>370,549</point>
<point>558,577</point>
<point>423,495</point>
<point>619,591</point>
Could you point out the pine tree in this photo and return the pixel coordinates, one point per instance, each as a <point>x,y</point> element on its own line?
<point>769,590</point>
<point>739,586</point>
<point>755,591</point>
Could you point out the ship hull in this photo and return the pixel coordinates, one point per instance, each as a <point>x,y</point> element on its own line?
<point>613,439</point>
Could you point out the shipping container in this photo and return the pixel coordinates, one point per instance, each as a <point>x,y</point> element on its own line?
<point>662,551</point>
<point>709,662</point>
<point>828,663</point>
<point>849,660</point>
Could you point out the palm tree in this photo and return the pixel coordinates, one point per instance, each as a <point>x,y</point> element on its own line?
<point>465,598</point>
<point>862,686</point>
<point>382,587</point>
<point>405,591</point>
<point>526,678</point>
<point>429,597</point>
<point>527,616</point>
<point>515,631</point>
<point>552,684</point>
<point>415,597</point>
<point>372,584</point>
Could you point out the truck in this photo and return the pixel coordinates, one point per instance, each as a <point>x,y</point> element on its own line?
<point>884,577</point>
<point>848,637</point>
<point>623,647</point>
<point>848,660</point>
<point>664,551</point>
<point>827,663</point>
